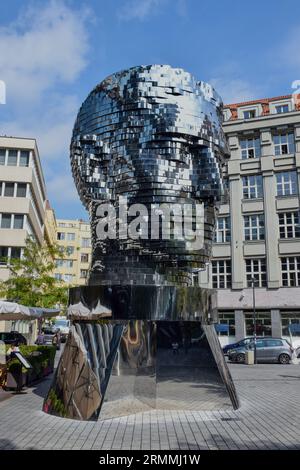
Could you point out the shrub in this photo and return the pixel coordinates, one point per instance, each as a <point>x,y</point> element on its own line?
<point>40,357</point>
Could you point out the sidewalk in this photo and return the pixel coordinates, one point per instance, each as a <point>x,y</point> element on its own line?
<point>269,418</point>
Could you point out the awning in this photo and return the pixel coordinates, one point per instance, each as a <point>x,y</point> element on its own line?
<point>14,311</point>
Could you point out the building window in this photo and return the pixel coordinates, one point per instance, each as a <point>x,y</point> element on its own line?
<point>84,258</point>
<point>61,235</point>
<point>254,227</point>
<point>70,250</point>
<point>70,237</point>
<point>2,156</point>
<point>250,114</point>
<point>6,221</point>
<point>83,273</point>
<point>12,158</point>
<point>256,268</point>
<point>263,324</point>
<point>286,183</point>
<point>3,255</point>
<point>9,189</point>
<point>58,276</point>
<point>250,148</point>
<point>290,271</point>
<point>67,263</point>
<point>252,187</point>
<point>85,242</point>
<point>287,322</point>
<point>222,233</point>
<point>21,189</point>
<point>228,319</point>
<point>15,252</point>
<point>24,158</point>
<point>221,274</point>
<point>282,108</point>
<point>289,225</point>
<point>18,221</point>
<point>284,143</point>
<point>67,277</point>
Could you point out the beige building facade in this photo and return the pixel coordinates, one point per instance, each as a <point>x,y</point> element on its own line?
<point>258,233</point>
<point>75,237</point>
<point>50,226</point>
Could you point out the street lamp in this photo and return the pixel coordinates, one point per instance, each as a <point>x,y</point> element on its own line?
<point>254,316</point>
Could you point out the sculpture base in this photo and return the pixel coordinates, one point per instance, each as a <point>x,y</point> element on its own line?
<point>127,366</point>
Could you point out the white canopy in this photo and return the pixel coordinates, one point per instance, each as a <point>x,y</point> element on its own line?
<point>81,311</point>
<point>15,311</point>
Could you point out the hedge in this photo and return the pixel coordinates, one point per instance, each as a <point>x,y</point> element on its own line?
<point>40,357</point>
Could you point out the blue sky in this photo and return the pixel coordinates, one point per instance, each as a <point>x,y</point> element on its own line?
<point>52,53</point>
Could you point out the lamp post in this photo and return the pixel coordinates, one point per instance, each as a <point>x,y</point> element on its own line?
<point>254,316</point>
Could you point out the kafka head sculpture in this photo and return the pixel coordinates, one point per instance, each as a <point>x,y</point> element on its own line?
<point>151,134</point>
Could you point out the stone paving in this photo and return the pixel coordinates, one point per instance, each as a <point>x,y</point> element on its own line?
<point>269,418</point>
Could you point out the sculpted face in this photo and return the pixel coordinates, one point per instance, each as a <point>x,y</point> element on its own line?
<point>154,135</point>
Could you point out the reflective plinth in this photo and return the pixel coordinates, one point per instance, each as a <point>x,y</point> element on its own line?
<point>114,367</point>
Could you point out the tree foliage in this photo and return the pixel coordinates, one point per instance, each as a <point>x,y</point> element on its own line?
<point>31,280</point>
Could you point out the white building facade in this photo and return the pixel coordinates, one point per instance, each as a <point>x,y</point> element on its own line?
<point>258,232</point>
<point>22,205</point>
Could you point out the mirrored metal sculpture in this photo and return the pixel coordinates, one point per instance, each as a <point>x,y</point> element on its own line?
<point>147,152</point>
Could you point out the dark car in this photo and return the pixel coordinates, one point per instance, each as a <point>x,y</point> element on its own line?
<point>12,337</point>
<point>239,344</point>
<point>267,350</point>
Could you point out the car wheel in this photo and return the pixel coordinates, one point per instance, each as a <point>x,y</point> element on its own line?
<point>240,358</point>
<point>284,359</point>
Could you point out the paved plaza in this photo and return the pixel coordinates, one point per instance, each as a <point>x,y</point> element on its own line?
<point>269,418</point>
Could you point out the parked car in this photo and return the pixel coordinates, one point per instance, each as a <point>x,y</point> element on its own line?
<point>49,337</point>
<point>298,352</point>
<point>267,350</point>
<point>239,344</point>
<point>12,337</point>
<point>63,324</point>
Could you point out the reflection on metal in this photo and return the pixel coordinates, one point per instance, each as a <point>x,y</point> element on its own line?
<point>151,134</point>
<point>140,339</point>
<point>140,302</point>
<point>75,392</point>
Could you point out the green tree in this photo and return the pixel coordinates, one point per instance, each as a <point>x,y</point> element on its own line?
<point>31,280</point>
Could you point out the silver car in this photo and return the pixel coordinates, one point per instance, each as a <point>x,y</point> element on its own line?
<point>267,350</point>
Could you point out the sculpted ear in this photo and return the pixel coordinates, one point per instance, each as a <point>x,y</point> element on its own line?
<point>90,159</point>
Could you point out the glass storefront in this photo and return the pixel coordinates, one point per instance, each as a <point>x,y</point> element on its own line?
<point>263,324</point>
<point>288,319</point>
<point>227,318</point>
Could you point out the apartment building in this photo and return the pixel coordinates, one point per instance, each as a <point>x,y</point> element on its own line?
<point>75,237</point>
<point>22,197</point>
<point>22,207</point>
<point>258,233</point>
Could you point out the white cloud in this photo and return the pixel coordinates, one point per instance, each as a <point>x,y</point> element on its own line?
<point>63,189</point>
<point>41,48</point>
<point>235,90</point>
<point>42,54</point>
<point>139,9</point>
